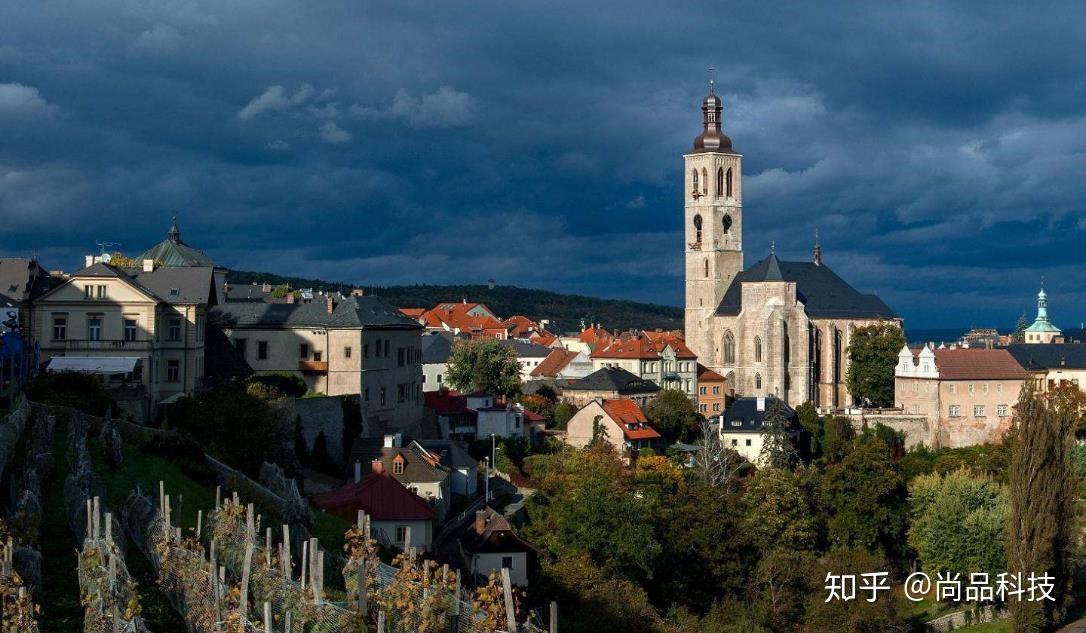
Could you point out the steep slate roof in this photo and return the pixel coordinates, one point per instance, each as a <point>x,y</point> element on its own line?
<point>380,495</point>
<point>554,363</point>
<point>437,347</point>
<point>22,278</point>
<point>452,454</point>
<point>824,294</point>
<point>1049,355</point>
<point>497,536</point>
<point>526,350</point>
<point>185,286</point>
<point>365,311</point>
<point>745,412</point>
<point>627,414</point>
<point>613,379</point>
<point>977,364</point>
<point>418,465</point>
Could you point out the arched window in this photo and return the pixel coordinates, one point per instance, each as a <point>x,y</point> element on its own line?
<point>697,228</point>
<point>726,222</point>
<point>728,349</point>
<point>719,181</point>
<point>728,183</point>
<point>704,182</point>
<point>757,349</point>
<point>757,381</point>
<point>695,183</point>
<point>706,268</point>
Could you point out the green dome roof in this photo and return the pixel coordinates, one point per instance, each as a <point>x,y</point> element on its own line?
<point>174,252</point>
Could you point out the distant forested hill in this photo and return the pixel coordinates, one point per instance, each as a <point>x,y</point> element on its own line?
<point>564,311</point>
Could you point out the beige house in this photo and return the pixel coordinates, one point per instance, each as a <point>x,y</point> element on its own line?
<point>609,383</point>
<point>967,395</point>
<point>621,423</point>
<point>338,346</point>
<point>155,317</point>
<point>777,328</point>
<point>1052,364</point>
<point>661,357</point>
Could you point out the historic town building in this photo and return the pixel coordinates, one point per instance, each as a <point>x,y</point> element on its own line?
<point>776,328</point>
<point>1042,330</point>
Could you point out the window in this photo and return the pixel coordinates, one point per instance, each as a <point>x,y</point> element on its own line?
<point>346,352</point>
<point>719,181</point>
<point>955,411</point>
<point>384,396</point>
<point>735,442</point>
<point>716,390</point>
<point>174,332</point>
<point>695,183</point>
<point>173,371</point>
<point>439,379</point>
<point>703,390</point>
<point>60,328</point>
<point>94,327</point>
<point>953,388</point>
<point>88,291</point>
<point>366,350</point>
<point>757,381</point>
<point>704,182</point>
<point>239,344</point>
<point>318,356</point>
<point>748,442</point>
<point>303,351</point>
<point>262,350</point>
<point>971,388</point>
<point>401,356</point>
<point>401,392</point>
<point>1002,410</point>
<point>129,329</point>
<point>707,268</point>
<point>397,465</point>
<point>507,562</point>
<point>716,406</point>
<point>728,352</point>
<point>999,387</point>
<point>388,348</point>
<point>978,411</point>
<point>367,394</point>
<point>101,292</point>
<point>728,183</point>
<point>704,408</point>
<point>697,229</point>
<point>401,533</point>
<point>757,349</point>
<point>984,388</point>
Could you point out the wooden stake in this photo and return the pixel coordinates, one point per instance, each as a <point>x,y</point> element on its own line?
<point>267,617</point>
<point>554,618</point>
<point>286,626</point>
<point>381,622</point>
<point>407,540</point>
<point>507,591</point>
<point>245,578</point>
<point>320,578</point>
<point>161,497</point>
<point>456,594</point>
<point>287,571</point>
<point>218,496</point>
<point>363,598</point>
<point>305,561</point>
<point>109,528</point>
<point>199,524</point>
<point>267,549</point>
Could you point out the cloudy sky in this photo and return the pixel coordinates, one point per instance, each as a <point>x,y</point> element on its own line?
<point>939,149</point>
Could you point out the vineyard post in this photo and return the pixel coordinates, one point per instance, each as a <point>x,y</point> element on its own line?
<point>305,562</point>
<point>218,496</point>
<point>267,549</point>
<point>97,518</point>
<point>320,579</point>
<point>245,577</point>
<point>287,571</point>
<point>90,519</point>
<point>267,617</point>
<point>161,497</point>
<point>109,530</point>
<point>407,541</point>
<point>381,622</point>
<point>199,523</point>
<point>507,591</point>
<point>287,623</point>
<point>363,597</point>
<point>553,623</point>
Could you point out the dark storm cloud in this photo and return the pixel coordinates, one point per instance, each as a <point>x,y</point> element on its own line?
<point>937,148</point>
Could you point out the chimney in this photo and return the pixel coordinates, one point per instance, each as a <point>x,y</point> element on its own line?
<point>266,287</point>
<point>88,261</point>
<point>480,521</point>
<point>331,304</point>
<point>393,441</point>
<point>225,287</point>
<point>359,292</point>
<point>761,403</point>
<point>377,466</point>
<point>148,265</point>
<point>357,471</point>
<point>290,297</point>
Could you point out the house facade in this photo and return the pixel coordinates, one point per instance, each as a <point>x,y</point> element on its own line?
<point>711,390</point>
<point>1052,365</point>
<point>743,427</point>
<point>967,395</point>
<point>621,423</point>
<point>610,383</point>
<point>660,357</point>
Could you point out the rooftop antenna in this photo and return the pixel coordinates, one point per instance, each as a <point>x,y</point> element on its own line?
<point>103,245</point>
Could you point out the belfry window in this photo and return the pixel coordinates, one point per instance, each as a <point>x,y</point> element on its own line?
<point>757,349</point>
<point>728,351</point>
<point>706,268</point>
<point>695,183</point>
<point>697,228</point>
<point>704,182</point>
<point>757,381</point>
<point>719,181</point>
<point>728,183</point>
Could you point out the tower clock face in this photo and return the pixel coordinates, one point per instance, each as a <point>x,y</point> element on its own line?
<point>727,222</point>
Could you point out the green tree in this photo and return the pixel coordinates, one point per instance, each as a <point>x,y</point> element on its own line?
<point>484,365</point>
<point>837,437</point>
<point>777,449</point>
<point>593,599</point>
<point>872,356</point>
<point>563,412</point>
<point>1019,335</point>
<point>777,512</point>
<point>853,616</point>
<point>780,586</point>
<point>865,497</point>
<point>957,523</point>
<point>812,427</point>
<point>674,415</point>
<point>1041,493</point>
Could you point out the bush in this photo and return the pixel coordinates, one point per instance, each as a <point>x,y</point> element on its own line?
<point>283,383</point>
<point>84,392</point>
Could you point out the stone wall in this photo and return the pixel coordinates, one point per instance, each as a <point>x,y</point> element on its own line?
<point>323,415</point>
<point>917,429</point>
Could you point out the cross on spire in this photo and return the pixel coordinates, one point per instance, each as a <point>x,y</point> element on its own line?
<point>712,80</point>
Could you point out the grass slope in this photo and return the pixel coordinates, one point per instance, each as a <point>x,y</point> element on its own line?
<point>564,311</point>
<point>61,611</point>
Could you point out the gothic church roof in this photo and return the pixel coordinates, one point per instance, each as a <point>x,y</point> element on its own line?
<point>823,293</point>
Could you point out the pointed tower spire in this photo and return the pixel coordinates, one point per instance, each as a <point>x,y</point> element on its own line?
<point>817,250</point>
<point>174,234</point>
<point>712,137</point>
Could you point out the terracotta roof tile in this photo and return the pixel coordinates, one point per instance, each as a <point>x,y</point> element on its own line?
<point>626,413</point>
<point>380,495</point>
<point>976,364</point>
<point>554,363</point>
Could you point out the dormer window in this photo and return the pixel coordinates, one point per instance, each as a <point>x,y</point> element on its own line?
<point>174,292</point>
<point>397,465</point>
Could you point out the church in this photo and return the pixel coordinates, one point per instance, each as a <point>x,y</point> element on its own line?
<point>777,328</point>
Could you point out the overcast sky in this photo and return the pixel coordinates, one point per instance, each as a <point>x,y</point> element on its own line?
<point>939,149</point>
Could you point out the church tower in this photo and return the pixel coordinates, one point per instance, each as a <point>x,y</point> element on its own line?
<point>713,195</point>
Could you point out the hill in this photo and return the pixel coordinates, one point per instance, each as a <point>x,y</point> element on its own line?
<point>565,312</point>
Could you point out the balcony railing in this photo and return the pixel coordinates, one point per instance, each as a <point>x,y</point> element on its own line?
<point>313,366</point>
<point>102,344</point>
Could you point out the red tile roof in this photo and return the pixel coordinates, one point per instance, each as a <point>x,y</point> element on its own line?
<point>543,338</point>
<point>446,402</point>
<point>554,363</point>
<point>379,495</point>
<point>594,336</point>
<point>644,345</point>
<point>977,364</point>
<point>521,326</point>
<point>626,413</point>
<point>414,313</point>
<point>708,375</point>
